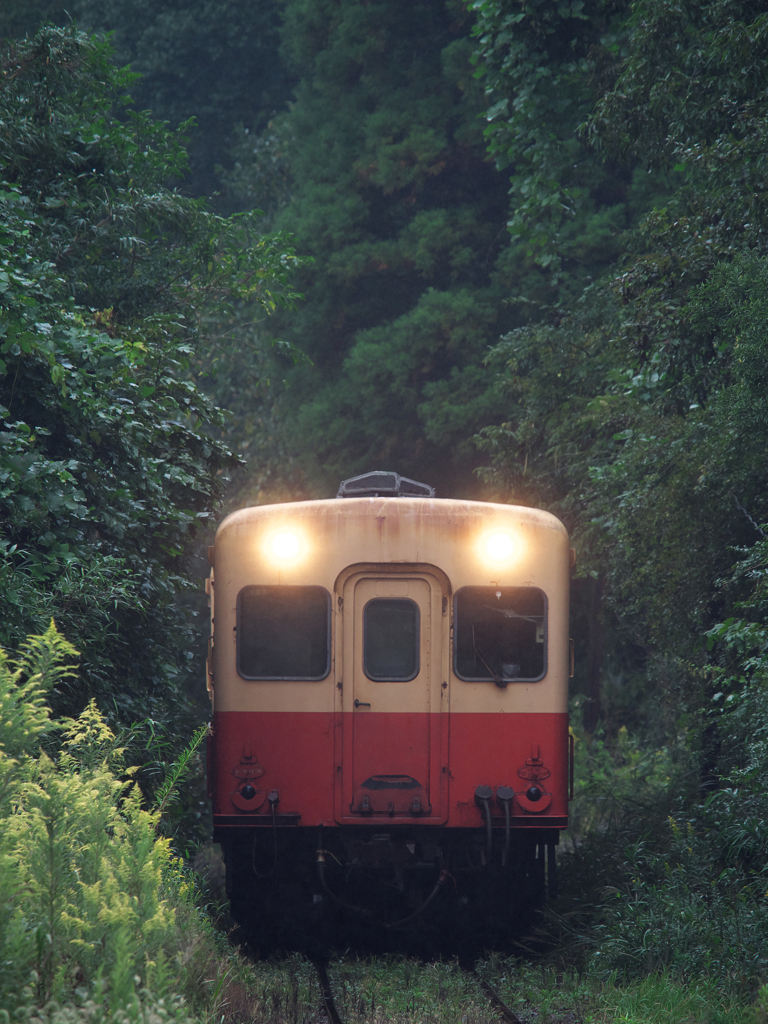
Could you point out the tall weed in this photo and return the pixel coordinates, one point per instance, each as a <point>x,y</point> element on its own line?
<point>97,915</point>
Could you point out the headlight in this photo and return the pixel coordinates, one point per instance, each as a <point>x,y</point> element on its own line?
<point>499,547</point>
<point>285,546</point>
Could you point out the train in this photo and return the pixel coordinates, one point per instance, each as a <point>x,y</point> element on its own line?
<point>389,747</point>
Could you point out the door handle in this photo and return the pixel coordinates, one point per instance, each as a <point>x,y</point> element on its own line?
<point>361,704</point>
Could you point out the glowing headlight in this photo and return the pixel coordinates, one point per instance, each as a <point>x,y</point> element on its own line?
<point>285,546</point>
<point>497,547</point>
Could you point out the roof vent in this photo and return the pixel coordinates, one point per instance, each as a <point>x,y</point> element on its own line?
<point>383,485</point>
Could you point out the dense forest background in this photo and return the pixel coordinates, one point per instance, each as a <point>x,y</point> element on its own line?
<point>530,243</point>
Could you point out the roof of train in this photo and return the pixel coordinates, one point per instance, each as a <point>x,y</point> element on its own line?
<point>427,508</point>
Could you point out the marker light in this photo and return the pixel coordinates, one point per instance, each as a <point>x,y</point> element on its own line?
<point>498,547</point>
<point>285,546</point>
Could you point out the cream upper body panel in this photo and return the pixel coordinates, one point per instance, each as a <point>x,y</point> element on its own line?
<point>329,539</point>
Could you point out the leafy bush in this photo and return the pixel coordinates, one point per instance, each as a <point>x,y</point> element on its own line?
<point>675,874</point>
<point>686,910</point>
<point>97,915</point>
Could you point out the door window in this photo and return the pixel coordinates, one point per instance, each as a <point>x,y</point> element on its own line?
<point>391,639</point>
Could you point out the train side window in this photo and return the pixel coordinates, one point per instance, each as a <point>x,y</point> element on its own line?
<point>283,632</point>
<point>391,639</point>
<point>500,634</point>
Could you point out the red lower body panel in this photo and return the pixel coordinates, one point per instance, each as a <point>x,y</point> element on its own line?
<point>407,769</point>
<point>287,752</point>
<point>518,751</point>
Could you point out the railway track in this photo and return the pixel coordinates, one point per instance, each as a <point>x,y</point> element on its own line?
<point>326,993</point>
<point>507,1013</point>
<point>333,1016</point>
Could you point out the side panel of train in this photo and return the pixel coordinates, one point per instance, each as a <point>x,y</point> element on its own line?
<point>389,665</point>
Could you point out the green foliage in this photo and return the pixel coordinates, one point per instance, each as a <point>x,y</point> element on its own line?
<point>386,381</point>
<point>111,283</point>
<point>686,911</point>
<point>691,92</point>
<point>555,995</point>
<point>638,413</point>
<point>178,770</point>
<point>656,501</point>
<point>542,66</point>
<point>260,175</point>
<point>623,786</point>
<point>97,916</point>
<point>81,865</point>
<point>212,61</point>
<point>94,189</point>
<point>559,421</point>
<point>676,874</point>
<point>693,73</point>
<point>25,683</point>
<point>660,999</point>
<point>392,195</point>
<point>145,1009</point>
<point>25,686</point>
<point>680,482</point>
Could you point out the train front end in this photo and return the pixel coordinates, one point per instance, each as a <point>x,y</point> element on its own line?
<point>388,675</point>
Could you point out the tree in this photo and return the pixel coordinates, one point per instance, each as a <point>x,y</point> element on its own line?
<point>543,65</point>
<point>212,60</point>
<point>110,282</point>
<point>638,412</point>
<point>403,213</point>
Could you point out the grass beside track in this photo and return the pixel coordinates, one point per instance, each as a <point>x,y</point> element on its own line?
<point>394,990</point>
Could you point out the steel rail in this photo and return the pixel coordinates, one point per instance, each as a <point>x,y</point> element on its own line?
<point>326,992</point>
<point>333,1014</point>
<point>507,1012</point>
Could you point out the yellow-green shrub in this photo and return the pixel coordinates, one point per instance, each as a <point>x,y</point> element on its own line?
<point>90,894</point>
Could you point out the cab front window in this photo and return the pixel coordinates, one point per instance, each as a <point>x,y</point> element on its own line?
<point>283,632</point>
<point>500,634</point>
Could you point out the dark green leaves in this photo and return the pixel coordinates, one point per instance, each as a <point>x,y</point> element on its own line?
<point>111,284</point>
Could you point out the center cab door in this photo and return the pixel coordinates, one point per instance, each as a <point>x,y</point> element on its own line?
<point>394,649</point>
